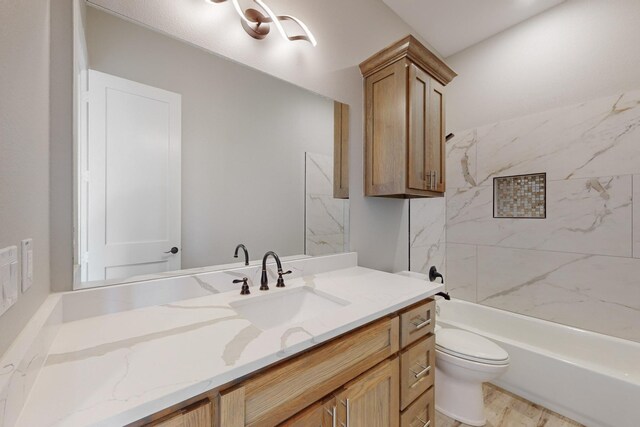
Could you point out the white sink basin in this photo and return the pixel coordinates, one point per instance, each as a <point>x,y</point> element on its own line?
<point>287,307</point>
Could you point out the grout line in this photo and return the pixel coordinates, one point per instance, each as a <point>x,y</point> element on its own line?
<point>633,212</point>
<point>409,238</point>
<point>468,187</point>
<point>305,205</point>
<point>476,275</point>
<point>545,250</point>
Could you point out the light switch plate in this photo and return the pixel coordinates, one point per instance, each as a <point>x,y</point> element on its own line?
<point>27,264</point>
<point>8,278</point>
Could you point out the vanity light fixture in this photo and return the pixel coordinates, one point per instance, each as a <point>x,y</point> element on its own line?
<point>256,23</point>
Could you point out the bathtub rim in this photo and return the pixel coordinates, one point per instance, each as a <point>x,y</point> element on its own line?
<point>575,361</point>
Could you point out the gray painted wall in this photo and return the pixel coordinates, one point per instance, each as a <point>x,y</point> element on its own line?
<point>24,147</point>
<point>577,51</point>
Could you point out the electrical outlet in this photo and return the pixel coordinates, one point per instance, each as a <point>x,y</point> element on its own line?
<point>8,278</point>
<point>27,264</point>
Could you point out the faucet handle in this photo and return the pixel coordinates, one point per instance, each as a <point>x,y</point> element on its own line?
<point>280,283</point>
<point>245,285</point>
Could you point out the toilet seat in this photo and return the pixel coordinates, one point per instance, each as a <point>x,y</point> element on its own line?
<point>469,346</point>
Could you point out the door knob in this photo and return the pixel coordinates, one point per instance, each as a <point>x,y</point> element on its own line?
<point>173,251</point>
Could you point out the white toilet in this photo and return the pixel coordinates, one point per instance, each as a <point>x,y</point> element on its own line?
<point>463,362</point>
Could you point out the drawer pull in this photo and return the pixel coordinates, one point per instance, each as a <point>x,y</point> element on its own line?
<point>332,413</point>
<point>423,372</point>
<point>426,423</point>
<point>421,323</point>
<point>346,405</point>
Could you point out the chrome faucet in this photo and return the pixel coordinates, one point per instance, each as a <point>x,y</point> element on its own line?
<point>246,253</point>
<point>264,281</point>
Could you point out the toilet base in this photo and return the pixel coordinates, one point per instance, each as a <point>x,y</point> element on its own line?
<point>459,399</point>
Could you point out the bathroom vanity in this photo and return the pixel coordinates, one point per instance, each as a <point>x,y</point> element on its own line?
<point>381,374</point>
<point>339,342</point>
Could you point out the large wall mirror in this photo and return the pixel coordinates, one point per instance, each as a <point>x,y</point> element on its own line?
<point>182,155</point>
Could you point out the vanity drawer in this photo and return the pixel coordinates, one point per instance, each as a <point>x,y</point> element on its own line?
<point>417,322</point>
<point>421,413</point>
<point>417,370</point>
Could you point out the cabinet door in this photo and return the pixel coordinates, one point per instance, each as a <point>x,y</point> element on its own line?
<point>426,132</point>
<point>419,88</point>
<point>371,400</point>
<point>436,157</point>
<point>385,152</point>
<point>199,416</point>
<point>340,150</point>
<point>321,414</point>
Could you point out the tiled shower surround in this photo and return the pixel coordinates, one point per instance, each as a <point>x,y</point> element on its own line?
<point>581,265</point>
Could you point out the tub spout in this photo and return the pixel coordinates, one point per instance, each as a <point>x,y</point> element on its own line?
<point>444,295</point>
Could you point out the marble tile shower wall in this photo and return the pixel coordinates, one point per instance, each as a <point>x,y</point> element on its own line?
<point>581,265</point>
<point>326,218</point>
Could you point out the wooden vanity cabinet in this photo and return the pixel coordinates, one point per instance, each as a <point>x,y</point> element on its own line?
<point>320,414</point>
<point>198,415</point>
<point>380,375</point>
<point>405,121</point>
<point>371,400</point>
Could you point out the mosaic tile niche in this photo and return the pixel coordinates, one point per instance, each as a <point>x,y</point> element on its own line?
<point>520,196</point>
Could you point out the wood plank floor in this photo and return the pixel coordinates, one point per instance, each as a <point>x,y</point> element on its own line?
<point>505,409</point>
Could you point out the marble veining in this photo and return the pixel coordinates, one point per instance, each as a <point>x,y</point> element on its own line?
<point>461,159</point>
<point>23,361</point>
<point>427,234</point>
<point>461,271</point>
<point>592,292</point>
<point>326,218</point>
<point>234,348</point>
<point>151,357</point>
<point>110,299</point>
<point>595,138</point>
<point>579,266</point>
<point>592,216</point>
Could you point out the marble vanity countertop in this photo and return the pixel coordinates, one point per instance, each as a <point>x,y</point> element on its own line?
<point>117,368</point>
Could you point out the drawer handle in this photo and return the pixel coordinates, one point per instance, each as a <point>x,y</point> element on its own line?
<point>426,423</point>
<point>421,323</point>
<point>423,372</point>
<point>346,405</point>
<point>332,413</point>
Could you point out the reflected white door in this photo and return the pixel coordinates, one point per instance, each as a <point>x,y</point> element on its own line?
<point>133,158</point>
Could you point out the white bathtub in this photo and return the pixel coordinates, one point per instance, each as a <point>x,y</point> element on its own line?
<point>591,378</point>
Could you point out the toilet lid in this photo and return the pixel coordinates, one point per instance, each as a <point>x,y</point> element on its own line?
<point>469,346</point>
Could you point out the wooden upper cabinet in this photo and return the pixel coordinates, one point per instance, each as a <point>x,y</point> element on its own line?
<point>386,104</point>
<point>340,150</point>
<point>405,121</point>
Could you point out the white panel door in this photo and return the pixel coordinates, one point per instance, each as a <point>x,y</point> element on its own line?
<point>134,149</point>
